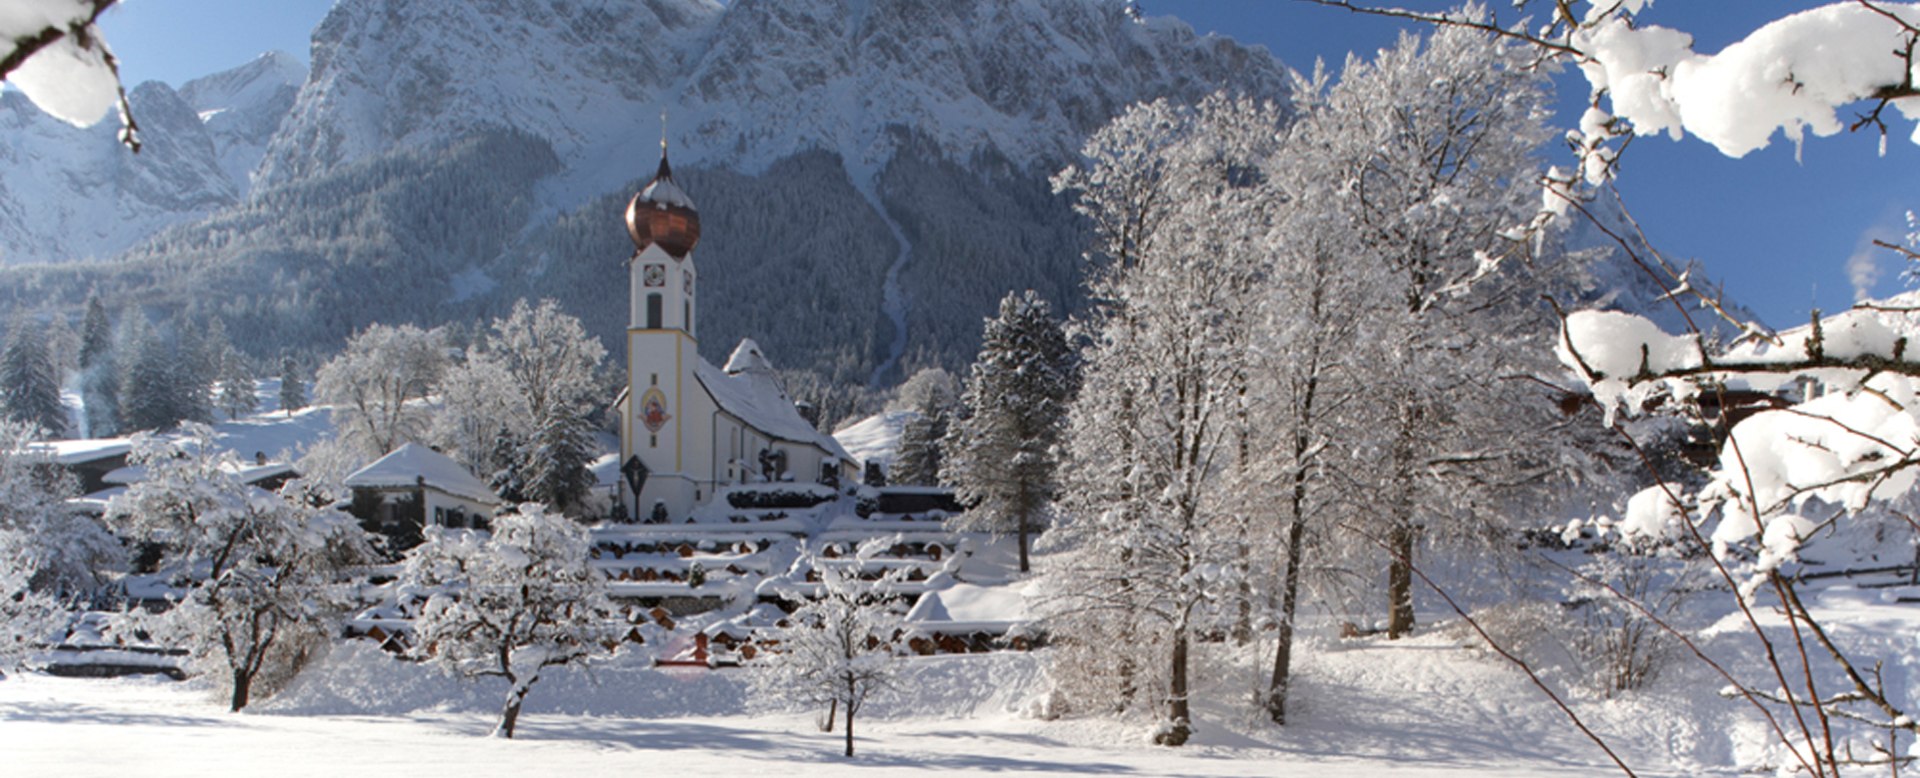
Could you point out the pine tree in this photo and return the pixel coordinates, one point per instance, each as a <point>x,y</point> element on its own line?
<point>1000,455</point>
<point>29,382</point>
<point>148,396</point>
<point>96,334</point>
<point>921,445</point>
<point>238,394</point>
<point>556,462</point>
<point>293,391</point>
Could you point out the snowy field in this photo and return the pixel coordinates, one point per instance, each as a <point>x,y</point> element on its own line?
<point>1425,707</point>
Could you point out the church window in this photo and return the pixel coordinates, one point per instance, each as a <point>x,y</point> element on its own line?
<point>686,314</point>
<point>653,311</point>
<point>654,379</point>
<point>653,441</point>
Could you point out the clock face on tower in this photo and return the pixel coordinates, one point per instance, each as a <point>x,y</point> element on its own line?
<point>654,275</point>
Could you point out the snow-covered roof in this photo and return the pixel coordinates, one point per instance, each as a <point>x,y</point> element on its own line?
<point>745,357</point>
<point>73,452</point>
<point>970,608</point>
<point>248,472</point>
<point>414,463</point>
<point>755,397</point>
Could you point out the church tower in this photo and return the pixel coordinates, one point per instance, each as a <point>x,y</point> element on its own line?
<point>662,345</point>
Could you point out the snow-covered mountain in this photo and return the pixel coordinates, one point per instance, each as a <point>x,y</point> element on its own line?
<point>70,193</point>
<point>743,85</point>
<point>242,109</point>
<point>872,175</point>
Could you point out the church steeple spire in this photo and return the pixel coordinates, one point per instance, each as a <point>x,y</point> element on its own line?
<point>662,214</point>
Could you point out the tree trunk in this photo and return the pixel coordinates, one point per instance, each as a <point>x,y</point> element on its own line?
<point>833,712</point>
<point>511,714</point>
<point>849,722</point>
<point>1023,542</point>
<point>1289,605</point>
<point>242,689</point>
<point>1178,710</point>
<point>1400,582</point>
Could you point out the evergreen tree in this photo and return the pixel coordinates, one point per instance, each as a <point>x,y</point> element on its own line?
<point>149,396</point>
<point>29,381</point>
<point>555,465</point>
<point>238,395</point>
<point>922,445</point>
<point>1000,455</point>
<point>293,391</point>
<point>930,395</point>
<point>96,334</point>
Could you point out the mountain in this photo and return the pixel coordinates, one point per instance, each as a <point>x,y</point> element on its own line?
<point>872,176</point>
<point>242,108</point>
<point>71,193</point>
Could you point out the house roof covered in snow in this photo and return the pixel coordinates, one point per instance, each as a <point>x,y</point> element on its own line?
<point>73,452</point>
<point>970,608</point>
<point>414,464</point>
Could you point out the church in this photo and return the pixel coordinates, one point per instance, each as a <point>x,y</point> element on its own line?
<point>689,429</point>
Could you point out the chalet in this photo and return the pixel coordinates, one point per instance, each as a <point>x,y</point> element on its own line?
<point>398,494</point>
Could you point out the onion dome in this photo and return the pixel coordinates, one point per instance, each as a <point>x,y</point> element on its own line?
<point>661,214</point>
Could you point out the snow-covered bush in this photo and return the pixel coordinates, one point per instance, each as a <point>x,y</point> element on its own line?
<point>841,649</point>
<point>62,552</point>
<point>26,616</point>
<point>509,604</point>
<point>257,575</point>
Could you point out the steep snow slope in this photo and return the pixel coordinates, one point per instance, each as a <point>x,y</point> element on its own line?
<point>243,107</point>
<point>70,193</point>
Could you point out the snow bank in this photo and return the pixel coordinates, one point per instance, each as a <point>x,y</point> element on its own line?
<point>357,678</point>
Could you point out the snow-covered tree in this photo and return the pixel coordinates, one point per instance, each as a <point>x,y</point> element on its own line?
<point>1153,440</point>
<point>29,380</point>
<point>239,395</point>
<point>60,550</point>
<point>510,603</point>
<point>293,388</point>
<point>257,571</point>
<point>378,384</point>
<point>99,373</point>
<point>520,406</point>
<point>96,333</point>
<point>840,649</point>
<point>480,406</point>
<point>1001,455</point>
<point>27,617</point>
<point>1429,148</point>
<point>922,449</point>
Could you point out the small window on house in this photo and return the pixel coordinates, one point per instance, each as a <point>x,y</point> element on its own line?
<point>653,311</point>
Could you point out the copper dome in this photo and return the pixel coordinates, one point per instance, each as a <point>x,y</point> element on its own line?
<point>663,214</point>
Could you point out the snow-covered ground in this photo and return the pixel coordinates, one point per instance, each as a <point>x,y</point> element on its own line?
<point>1423,707</point>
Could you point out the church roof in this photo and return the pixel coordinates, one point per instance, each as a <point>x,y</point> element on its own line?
<point>414,464</point>
<point>745,357</point>
<point>755,397</point>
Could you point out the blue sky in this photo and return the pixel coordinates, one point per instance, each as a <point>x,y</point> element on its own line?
<point>1779,233</point>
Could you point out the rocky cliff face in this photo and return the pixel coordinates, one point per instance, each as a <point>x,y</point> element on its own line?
<point>873,173</point>
<point>70,193</point>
